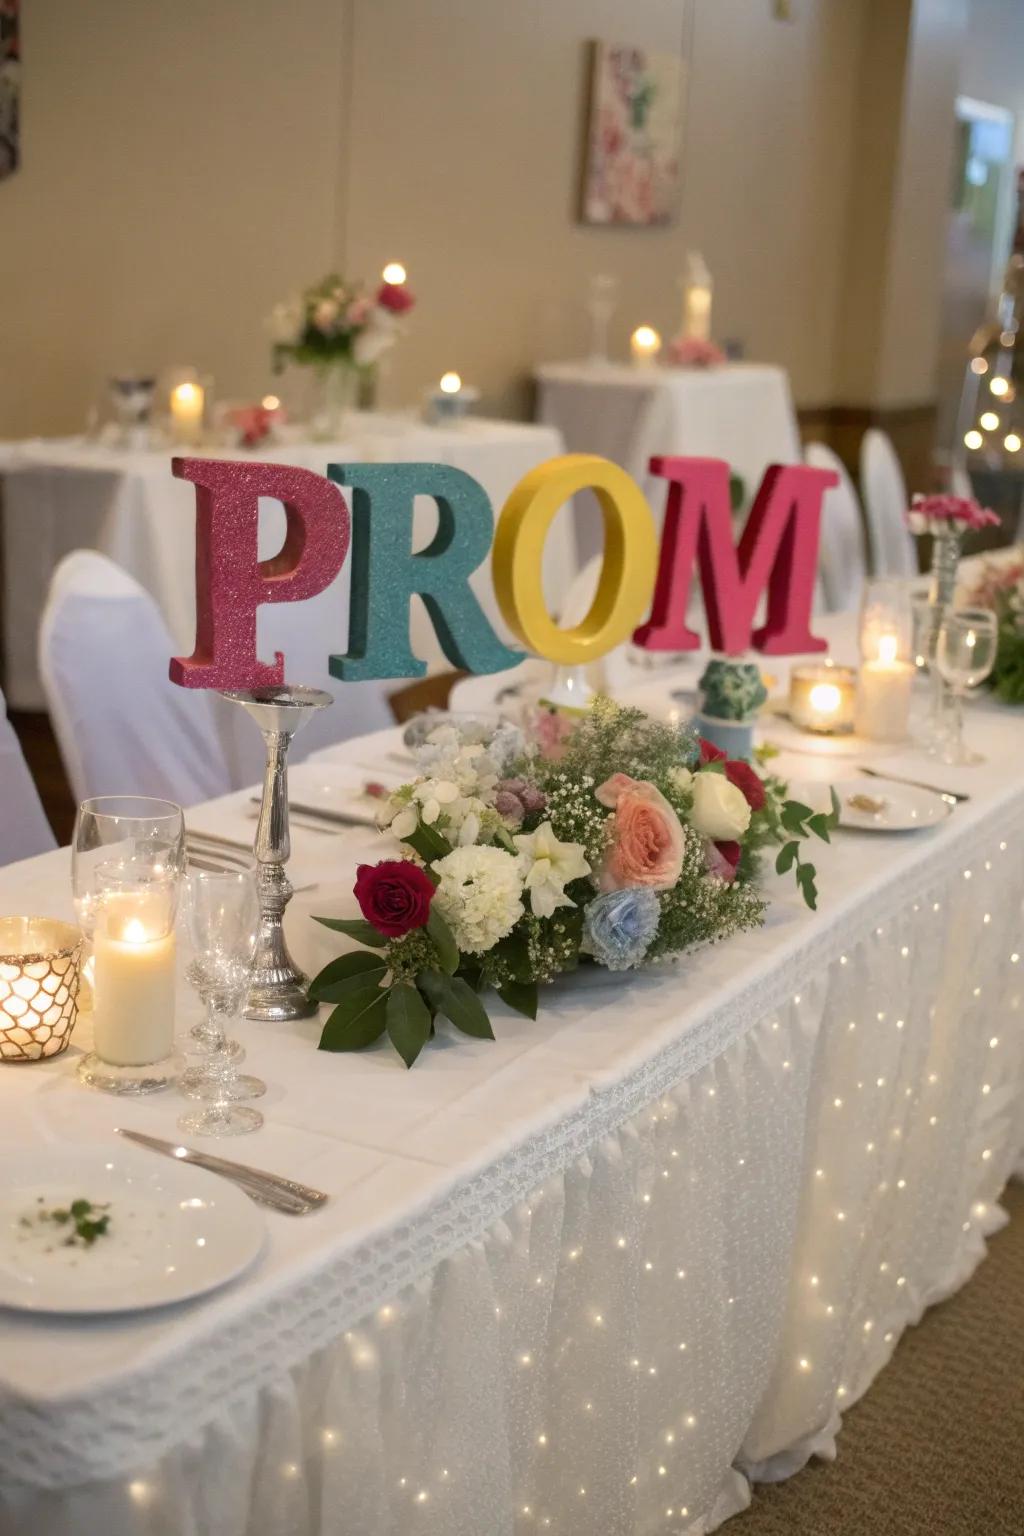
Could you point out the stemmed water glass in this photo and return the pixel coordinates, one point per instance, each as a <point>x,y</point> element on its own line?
<point>965,654</point>
<point>221,915</point>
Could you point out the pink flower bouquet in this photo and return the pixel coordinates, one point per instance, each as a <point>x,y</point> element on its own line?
<point>936,514</point>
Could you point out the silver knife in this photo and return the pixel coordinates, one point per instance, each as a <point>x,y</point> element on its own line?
<point>947,794</point>
<point>258,1177</point>
<point>321,813</point>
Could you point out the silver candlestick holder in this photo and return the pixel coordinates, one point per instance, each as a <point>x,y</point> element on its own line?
<point>278,990</point>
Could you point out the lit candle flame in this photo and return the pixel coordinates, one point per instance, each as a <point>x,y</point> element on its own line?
<point>824,697</point>
<point>450,384</point>
<point>888,645</point>
<point>270,403</point>
<point>646,339</point>
<point>186,394</point>
<point>135,932</point>
<point>394,273</point>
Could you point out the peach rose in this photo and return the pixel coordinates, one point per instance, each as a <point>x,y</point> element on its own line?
<point>647,836</point>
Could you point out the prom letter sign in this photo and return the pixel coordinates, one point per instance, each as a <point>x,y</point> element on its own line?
<point>777,555</point>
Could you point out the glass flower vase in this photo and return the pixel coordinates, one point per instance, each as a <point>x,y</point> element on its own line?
<point>946,550</point>
<point>337,387</point>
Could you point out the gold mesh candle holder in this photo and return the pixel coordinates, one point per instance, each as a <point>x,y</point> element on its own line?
<point>40,971</point>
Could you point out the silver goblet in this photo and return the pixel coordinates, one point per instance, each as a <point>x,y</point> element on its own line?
<point>277,993</point>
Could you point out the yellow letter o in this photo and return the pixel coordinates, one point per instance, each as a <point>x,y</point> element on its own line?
<point>627,573</point>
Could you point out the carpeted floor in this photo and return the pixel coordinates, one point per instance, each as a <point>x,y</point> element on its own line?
<point>936,1448</point>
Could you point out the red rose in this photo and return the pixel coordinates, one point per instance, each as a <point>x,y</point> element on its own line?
<point>709,753</point>
<point>396,297</point>
<point>747,781</point>
<point>730,853</point>
<point>394,896</point>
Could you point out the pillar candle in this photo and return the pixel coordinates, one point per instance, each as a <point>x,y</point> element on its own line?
<point>187,404</point>
<point>133,986</point>
<point>882,709</point>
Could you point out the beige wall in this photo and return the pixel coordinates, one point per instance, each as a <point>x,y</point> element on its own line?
<point>187,164</point>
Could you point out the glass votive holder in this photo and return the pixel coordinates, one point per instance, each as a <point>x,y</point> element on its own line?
<point>40,971</point>
<point>821,698</point>
<point>133,982</point>
<point>886,681</point>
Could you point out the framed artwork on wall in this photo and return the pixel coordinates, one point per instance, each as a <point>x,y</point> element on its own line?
<point>10,67</point>
<point>634,132</point>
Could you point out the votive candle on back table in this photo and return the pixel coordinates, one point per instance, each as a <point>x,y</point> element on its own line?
<point>821,698</point>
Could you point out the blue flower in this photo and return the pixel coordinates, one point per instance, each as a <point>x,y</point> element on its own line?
<point>618,926</point>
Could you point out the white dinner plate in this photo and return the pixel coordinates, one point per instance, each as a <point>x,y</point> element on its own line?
<point>346,789</point>
<point>904,808</point>
<point>175,1230</point>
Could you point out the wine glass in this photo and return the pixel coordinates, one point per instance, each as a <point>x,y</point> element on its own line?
<point>222,916</point>
<point>131,830</point>
<point>965,654</point>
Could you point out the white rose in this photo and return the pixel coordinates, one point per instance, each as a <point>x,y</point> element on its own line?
<point>720,811</point>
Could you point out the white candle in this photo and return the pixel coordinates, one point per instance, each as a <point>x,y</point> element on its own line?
<point>133,987</point>
<point>187,404</point>
<point>696,286</point>
<point>644,346</point>
<point>883,694</point>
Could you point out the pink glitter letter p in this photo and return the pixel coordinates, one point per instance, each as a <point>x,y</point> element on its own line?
<point>231,580</point>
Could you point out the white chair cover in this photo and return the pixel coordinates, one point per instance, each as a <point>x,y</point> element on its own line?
<point>122,726</point>
<point>885,502</point>
<point>24,830</point>
<point>842,561</point>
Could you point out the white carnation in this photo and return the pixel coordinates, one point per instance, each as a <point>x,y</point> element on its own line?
<point>480,895</point>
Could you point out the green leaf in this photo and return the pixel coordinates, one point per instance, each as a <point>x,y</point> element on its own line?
<point>520,995</point>
<point>515,952</point>
<point>408,1021</point>
<point>717,765</point>
<point>797,808</point>
<point>786,858</point>
<point>456,999</point>
<point>357,1022</point>
<point>354,928</point>
<point>359,966</point>
<point>428,843</point>
<point>444,940</point>
<point>833,819</point>
<point>819,826</point>
<point>805,879</point>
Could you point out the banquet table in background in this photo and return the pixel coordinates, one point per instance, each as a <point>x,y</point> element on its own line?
<point>740,412</point>
<point>65,495</point>
<point>590,1277</point>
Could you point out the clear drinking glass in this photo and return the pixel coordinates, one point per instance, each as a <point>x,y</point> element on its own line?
<point>130,830</point>
<point>222,916</point>
<point>965,655</point>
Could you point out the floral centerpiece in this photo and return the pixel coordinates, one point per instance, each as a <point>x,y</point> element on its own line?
<point>637,842</point>
<point>1001,587</point>
<point>341,330</point>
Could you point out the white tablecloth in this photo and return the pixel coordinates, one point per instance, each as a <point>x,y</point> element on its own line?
<point>741,412</point>
<point>60,496</point>
<point>590,1276</point>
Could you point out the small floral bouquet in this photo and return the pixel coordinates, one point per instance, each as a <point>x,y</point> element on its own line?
<point>336,321</point>
<point>694,352</point>
<point>937,515</point>
<point>1001,587</point>
<point>638,842</point>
